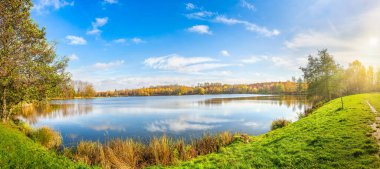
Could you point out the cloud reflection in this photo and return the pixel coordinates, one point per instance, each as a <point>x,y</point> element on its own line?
<point>251,124</point>
<point>106,127</point>
<point>184,123</point>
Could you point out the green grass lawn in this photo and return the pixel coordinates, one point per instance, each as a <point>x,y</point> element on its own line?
<point>18,151</point>
<point>328,138</point>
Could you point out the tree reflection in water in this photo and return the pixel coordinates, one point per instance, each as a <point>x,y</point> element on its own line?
<point>290,101</point>
<point>31,113</point>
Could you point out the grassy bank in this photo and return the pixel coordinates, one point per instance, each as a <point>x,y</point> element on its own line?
<point>19,151</point>
<point>328,138</point>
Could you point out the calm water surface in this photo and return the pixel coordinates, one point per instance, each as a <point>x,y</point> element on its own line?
<point>142,118</point>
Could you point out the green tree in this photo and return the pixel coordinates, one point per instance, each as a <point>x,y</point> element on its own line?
<point>321,76</point>
<point>90,91</point>
<point>30,70</point>
<point>201,91</point>
<point>86,89</point>
<point>356,77</point>
<point>279,88</point>
<point>370,79</point>
<point>378,80</point>
<point>300,87</point>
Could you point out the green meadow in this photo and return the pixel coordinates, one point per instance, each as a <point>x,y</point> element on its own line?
<point>330,137</point>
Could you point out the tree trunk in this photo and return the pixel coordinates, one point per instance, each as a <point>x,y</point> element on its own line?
<point>327,89</point>
<point>4,113</point>
<point>341,101</point>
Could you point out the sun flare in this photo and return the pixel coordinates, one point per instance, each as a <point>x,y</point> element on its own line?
<point>373,41</point>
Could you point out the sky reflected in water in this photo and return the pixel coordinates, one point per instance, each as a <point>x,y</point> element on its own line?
<point>142,118</point>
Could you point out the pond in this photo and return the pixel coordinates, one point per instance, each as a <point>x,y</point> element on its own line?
<point>186,117</point>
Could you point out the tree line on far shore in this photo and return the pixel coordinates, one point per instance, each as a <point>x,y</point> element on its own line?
<point>323,79</point>
<point>78,89</point>
<point>288,87</point>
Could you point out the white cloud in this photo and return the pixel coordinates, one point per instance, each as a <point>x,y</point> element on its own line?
<point>133,40</point>
<point>316,40</point>
<point>190,6</point>
<point>108,65</point>
<point>99,22</point>
<point>137,40</point>
<point>252,59</point>
<point>202,15</point>
<point>43,5</point>
<point>121,40</point>
<point>93,31</point>
<point>288,62</point>
<point>346,40</point>
<point>73,57</point>
<point>224,53</point>
<point>183,64</point>
<point>110,1</point>
<point>201,29</point>
<point>76,40</point>
<point>248,5</point>
<point>248,25</point>
<point>214,17</point>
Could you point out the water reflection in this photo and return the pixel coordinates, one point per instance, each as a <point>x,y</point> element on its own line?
<point>176,116</point>
<point>184,123</point>
<point>32,113</point>
<point>288,100</point>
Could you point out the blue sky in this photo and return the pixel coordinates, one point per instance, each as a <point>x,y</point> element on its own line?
<point>117,44</point>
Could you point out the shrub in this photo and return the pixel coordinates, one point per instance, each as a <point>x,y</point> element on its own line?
<point>179,150</point>
<point>301,115</point>
<point>91,153</point>
<point>128,151</point>
<point>226,138</point>
<point>160,150</point>
<point>280,123</point>
<point>23,127</point>
<point>206,144</point>
<point>243,138</point>
<point>47,137</point>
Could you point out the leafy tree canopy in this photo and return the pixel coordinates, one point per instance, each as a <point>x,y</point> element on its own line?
<point>30,70</point>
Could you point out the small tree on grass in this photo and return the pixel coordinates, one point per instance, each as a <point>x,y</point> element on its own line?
<point>322,76</point>
<point>30,70</point>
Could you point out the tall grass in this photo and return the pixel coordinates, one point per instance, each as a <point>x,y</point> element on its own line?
<point>160,150</point>
<point>91,153</point>
<point>279,123</point>
<point>127,152</point>
<point>133,154</point>
<point>47,137</point>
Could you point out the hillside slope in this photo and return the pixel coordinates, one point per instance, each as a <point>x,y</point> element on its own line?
<point>328,138</point>
<point>18,151</point>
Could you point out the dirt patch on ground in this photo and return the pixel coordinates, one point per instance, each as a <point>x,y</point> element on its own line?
<point>375,126</point>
